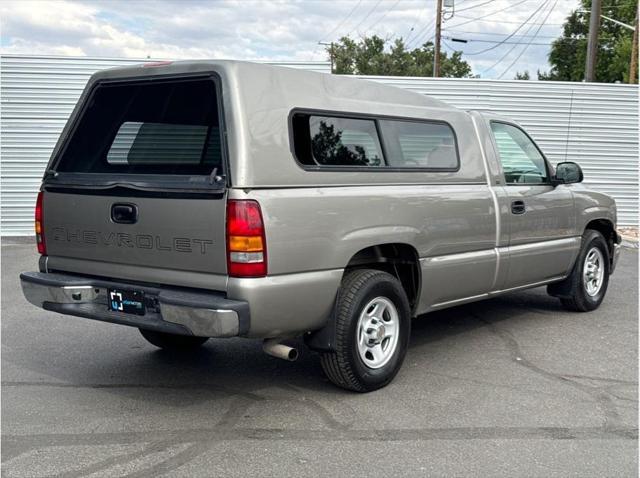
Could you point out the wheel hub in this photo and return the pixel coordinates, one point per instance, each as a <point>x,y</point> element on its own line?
<point>375,332</point>
<point>378,331</point>
<point>593,271</point>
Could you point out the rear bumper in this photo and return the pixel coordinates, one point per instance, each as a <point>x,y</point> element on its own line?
<point>167,310</point>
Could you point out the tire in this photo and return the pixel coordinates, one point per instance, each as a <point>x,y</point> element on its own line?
<point>576,293</point>
<point>357,319</point>
<point>173,342</point>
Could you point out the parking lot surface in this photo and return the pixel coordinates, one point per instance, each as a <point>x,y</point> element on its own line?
<point>513,386</point>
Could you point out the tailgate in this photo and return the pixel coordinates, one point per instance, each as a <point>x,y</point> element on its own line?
<point>138,184</point>
<point>169,233</point>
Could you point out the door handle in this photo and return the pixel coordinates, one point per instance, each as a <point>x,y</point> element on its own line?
<point>518,207</point>
<point>124,213</point>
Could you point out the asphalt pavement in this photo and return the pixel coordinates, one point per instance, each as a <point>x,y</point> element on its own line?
<point>514,386</point>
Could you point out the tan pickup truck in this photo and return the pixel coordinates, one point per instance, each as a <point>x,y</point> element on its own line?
<point>219,199</point>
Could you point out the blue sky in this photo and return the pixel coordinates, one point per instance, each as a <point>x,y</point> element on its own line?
<point>280,30</point>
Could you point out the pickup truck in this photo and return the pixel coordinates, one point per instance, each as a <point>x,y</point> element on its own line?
<point>207,199</point>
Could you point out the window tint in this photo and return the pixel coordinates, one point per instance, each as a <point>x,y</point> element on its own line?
<point>333,141</point>
<point>147,128</point>
<point>521,160</point>
<point>419,144</point>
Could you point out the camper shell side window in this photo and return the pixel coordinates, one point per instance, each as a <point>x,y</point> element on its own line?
<point>345,141</point>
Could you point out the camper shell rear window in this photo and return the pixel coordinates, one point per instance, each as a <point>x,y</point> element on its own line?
<point>170,127</point>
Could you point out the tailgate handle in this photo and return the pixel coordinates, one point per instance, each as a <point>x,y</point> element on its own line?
<point>124,213</point>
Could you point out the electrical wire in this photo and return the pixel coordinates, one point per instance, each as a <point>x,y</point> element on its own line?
<point>474,40</point>
<point>458,32</point>
<point>507,53</point>
<point>410,33</point>
<point>364,19</point>
<point>474,6</point>
<point>471,20</point>
<point>529,44</point>
<point>504,21</point>
<point>428,29</point>
<point>542,5</point>
<point>344,20</point>
<point>382,17</point>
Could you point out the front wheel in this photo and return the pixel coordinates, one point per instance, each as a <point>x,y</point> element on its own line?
<point>585,288</point>
<point>174,342</point>
<point>373,323</point>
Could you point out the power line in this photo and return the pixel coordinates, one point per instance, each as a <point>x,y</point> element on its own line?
<point>505,21</point>
<point>474,40</point>
<point>344,20</point>
<point>494,34</point>
<point>543,4</point>
<point>488,14</point>
<point>475,6</point>
<point>415,22</point>
<point>365,18</point>
<point>421,36</point>
<point>382,17</point>
<point>507,53</point>
<point>529,44</point>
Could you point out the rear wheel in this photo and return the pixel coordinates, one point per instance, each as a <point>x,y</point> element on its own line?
<point>178,343</point>
<point>585,288</point>
<point>373,324</point>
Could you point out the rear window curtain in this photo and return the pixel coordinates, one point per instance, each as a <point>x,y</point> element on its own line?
<point>340,141</point>
<point>148,128</point>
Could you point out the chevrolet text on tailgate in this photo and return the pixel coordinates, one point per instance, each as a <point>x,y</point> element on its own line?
<point>222,199</point>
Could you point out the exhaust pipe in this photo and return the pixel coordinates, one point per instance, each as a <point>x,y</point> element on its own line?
<point>276,349</point>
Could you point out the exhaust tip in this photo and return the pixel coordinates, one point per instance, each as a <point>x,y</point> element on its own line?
<point>276,349</point>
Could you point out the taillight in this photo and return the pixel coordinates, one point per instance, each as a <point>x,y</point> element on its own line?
<point>42,248</point>
<point>246,244</point>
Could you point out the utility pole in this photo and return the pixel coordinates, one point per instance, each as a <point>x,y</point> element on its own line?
<point>331,52</point>
<point>436,53</point>
<point>633,69</point>
<point>592,45</point>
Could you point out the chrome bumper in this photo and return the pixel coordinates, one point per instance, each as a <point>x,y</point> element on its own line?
<point>205,314</point>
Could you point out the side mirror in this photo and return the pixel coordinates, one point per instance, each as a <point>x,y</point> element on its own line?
<point>568,173</point>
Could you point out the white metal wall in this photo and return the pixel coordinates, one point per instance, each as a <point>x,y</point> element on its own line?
<point>38,93</point>
<point>593,124</point>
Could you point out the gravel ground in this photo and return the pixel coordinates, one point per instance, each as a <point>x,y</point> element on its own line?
<point>513,386</point>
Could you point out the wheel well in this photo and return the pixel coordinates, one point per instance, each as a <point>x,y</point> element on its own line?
<point>399,260</point>
<point>605,228</point>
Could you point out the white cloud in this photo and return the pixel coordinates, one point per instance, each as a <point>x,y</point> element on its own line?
<point>252,29</point>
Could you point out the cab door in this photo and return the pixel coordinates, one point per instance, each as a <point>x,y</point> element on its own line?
<point>539,218</point>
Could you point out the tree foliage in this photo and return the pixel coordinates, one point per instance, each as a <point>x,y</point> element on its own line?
<point>375,56</point>
<point>568,53</point>
<point>327,144</point>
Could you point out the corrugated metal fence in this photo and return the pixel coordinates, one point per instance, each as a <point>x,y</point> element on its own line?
<point>595,125</point>
<point>37,95</point>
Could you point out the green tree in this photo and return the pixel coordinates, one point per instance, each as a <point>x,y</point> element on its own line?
<point>568,53</point>
<point>375,56</point>
<point>522,76</point>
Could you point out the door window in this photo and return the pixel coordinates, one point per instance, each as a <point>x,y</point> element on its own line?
<point>521,160</point>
